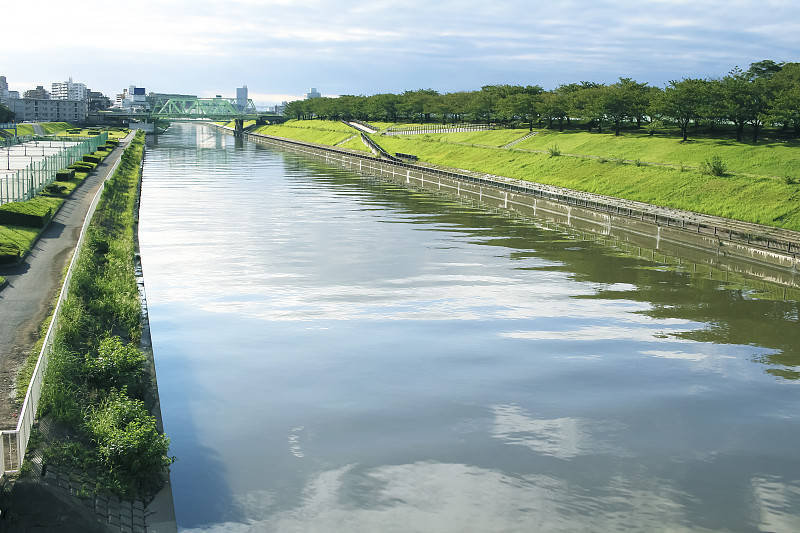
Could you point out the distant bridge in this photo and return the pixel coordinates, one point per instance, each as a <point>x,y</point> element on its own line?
<point>190,108</point>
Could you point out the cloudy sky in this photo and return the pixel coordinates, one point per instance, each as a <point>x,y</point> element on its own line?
<point>281,48</point>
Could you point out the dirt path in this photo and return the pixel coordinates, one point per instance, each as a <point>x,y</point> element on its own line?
<point>33,286</point>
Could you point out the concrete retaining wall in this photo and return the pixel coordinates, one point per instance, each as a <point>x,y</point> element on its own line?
<point>739,248</point>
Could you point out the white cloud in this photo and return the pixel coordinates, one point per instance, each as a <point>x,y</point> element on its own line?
<point>282,46</point>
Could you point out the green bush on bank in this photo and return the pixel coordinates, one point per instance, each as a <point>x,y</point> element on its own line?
<point>65,175</point>
<point>92,158</point>
<point>83,165</point>
<point>34,213</point>
<point>9,253</point>
<point>96,381</point>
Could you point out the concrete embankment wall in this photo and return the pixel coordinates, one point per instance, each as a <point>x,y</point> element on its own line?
<point>738,248</point>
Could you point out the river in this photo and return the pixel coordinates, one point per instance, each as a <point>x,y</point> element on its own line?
<point>340,354</point>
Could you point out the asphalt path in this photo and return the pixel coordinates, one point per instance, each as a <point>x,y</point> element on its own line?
<point>34,285</point>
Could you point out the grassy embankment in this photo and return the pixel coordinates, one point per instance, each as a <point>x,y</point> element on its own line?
<point>17,236</point>
<point>759,183</point>
<point>328,132</point>
<point>97,383</point>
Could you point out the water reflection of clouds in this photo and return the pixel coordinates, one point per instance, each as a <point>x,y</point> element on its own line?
<point>777,501</point>
<point>453,298</point>
<point>440,497</point>
<point>597,333</point>
<point>558,437</point>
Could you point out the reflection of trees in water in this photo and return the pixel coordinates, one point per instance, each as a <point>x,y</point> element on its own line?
<point>731,314</point>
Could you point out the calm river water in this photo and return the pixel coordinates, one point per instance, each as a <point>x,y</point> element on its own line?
<point>338,354</point>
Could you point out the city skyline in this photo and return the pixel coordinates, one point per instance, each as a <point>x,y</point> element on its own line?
<point>280,49</point>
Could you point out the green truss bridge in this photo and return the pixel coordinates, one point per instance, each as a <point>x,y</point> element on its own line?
<point>188,108</point>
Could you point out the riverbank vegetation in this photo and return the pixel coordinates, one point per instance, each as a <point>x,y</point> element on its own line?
<point>97,384</point>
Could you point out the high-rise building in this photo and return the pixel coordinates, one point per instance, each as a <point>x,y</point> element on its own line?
<point>5,94</point>
<point>241,97</point>
<point>68,90</point>
<point>313,93</point>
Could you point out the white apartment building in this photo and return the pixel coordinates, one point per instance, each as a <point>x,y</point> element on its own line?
<point>68,90</point>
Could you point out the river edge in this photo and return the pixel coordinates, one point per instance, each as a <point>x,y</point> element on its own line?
<point>721,246</point>
<point>58,499</point>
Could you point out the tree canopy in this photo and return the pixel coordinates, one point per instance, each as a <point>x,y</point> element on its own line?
<point>767,92</point>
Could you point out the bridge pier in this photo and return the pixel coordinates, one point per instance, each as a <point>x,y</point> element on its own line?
<point>238,129</point>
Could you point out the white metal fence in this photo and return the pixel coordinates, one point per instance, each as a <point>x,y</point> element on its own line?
<point>14,442</point>
<point>25,183</point>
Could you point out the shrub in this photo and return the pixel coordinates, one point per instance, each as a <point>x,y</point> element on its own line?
<point>128,442</point>
<point>83,165</point>
<point>713,167</point>
<point>554,151</point>
<point>117,365</point>
<point>9,253</point>
<point>91,158</point>
<point>55,189</point>
<point>65,175</point>
<point>31,214</point>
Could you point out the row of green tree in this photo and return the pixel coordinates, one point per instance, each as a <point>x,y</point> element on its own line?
<point>767,93</point>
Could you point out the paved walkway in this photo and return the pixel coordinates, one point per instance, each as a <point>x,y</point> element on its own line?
<point>33,285</point>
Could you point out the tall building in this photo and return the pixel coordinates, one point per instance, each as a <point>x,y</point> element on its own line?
<point>39,93</point>
<point>5,94</point>
<point>241,97</point>
<point>313,93</point>
<point>68,90</point>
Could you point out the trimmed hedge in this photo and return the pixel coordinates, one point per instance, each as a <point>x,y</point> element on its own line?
<point>55,189</point>
<point>65,175</point>
<point>9,253</point>
<point>91,158</point>
<point>83,165</point>
<point>31,214</point>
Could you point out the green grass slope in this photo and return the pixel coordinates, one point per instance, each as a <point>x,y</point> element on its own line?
<point>760,185</point>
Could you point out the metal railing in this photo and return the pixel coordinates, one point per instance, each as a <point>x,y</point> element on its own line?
<point>23,184</point>
<point>436,128</point>
<point>13,443</point>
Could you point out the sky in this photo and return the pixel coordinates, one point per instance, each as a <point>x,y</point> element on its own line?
<point>282,48</point>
